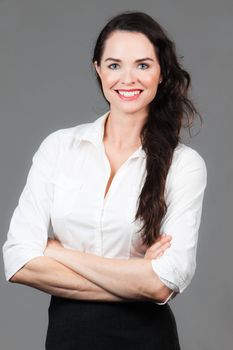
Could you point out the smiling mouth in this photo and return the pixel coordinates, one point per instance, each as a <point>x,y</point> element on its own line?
<point>129,93</point>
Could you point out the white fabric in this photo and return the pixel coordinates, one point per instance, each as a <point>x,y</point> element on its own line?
<point>66,186</point>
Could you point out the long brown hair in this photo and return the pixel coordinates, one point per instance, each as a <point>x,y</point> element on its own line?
<point>166,115</point>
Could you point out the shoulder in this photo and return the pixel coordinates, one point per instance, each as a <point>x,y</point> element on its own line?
<point>66,138</point>
<point>187,163</point>
<point>186,156</point>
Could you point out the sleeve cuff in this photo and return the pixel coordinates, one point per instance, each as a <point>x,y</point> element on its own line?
<point>11,269</point>
<point>173,293</point>
<point>168,275</point>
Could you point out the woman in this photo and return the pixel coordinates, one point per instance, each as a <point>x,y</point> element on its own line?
<point>124,197</point>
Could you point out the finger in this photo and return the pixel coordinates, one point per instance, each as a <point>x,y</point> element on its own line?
<point>162,239</point>
<point>159,248</point>
<point>155,255</point>
<point>159,255</point>
<point>160,243</point>
<point>166,237</point>
<point>165,246</point>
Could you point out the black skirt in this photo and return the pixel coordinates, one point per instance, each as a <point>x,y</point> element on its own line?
<point>87,325</point>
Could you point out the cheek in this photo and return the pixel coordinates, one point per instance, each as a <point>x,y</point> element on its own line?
<point>151,77</point>
<point>109,79</point>
<point>151,80</point>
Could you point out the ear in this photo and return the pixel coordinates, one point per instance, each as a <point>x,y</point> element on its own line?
<point>97,68</point>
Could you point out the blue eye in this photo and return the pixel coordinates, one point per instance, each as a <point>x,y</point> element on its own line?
<point>144,64</point>
<point>113,64</point>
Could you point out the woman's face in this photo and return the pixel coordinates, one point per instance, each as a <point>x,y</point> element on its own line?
<point>129,71</point>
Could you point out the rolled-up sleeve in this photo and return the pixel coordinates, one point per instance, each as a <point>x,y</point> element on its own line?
<point>184,197</point>
<point>28,230</point>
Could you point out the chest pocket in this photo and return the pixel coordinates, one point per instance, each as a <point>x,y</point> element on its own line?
<point>68,193</point>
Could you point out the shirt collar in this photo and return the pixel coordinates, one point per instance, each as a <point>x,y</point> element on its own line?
<point>95,132</point>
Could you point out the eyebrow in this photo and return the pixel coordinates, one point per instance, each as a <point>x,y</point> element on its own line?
<point>138,60</point>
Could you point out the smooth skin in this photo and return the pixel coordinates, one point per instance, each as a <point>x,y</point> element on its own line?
<point>129,62</point>
<point>49,275</point>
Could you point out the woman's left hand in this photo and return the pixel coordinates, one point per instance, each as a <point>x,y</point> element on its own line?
<point>157,249</point>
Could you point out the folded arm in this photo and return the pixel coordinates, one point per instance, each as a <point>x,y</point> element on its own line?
<point>54,278</point>
<point>128,278</point>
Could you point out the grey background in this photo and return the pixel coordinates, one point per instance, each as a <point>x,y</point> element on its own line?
<point>47,83</point>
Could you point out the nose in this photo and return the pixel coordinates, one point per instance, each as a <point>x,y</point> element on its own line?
<point>128,77</point>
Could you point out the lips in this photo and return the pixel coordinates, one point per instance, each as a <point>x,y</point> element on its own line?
<point>128,95</point>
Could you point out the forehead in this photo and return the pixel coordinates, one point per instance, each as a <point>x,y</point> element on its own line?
<point>126,44</point>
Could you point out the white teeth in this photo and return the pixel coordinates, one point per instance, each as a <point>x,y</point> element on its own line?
<point>127,93</point>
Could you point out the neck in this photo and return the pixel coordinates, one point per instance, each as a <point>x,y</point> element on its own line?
<point>123,131</point>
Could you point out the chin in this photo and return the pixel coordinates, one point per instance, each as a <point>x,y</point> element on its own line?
<point>134,110</point>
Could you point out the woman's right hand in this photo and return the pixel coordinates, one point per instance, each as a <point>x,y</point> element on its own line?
<point>158,247</point>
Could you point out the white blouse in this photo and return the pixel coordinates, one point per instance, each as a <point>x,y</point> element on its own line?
<point>65,188</point>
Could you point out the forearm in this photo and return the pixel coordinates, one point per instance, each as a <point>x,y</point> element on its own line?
<point>128,278</point>
<point>52,277</point>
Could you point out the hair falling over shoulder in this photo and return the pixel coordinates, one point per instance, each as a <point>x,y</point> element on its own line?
<point>170,110</point>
